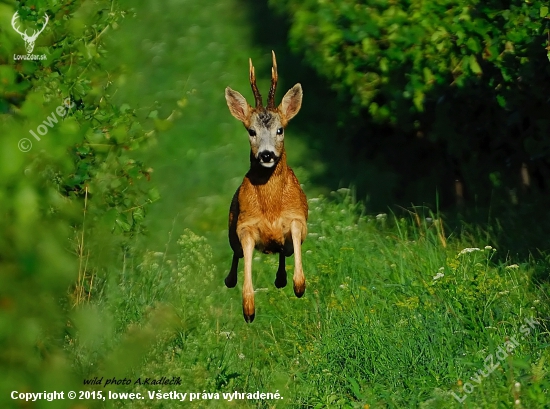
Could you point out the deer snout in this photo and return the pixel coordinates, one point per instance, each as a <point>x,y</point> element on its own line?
<point>267,158</point>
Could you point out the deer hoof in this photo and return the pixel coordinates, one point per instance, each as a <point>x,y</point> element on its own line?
<point>249,318</point>
<point>249,312</point>
<point>230,281</point>
<point>299,289</point>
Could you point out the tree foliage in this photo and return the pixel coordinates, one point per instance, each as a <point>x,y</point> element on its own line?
<point>88,149</point>
<point>471,77</point>
<point>75,186</point>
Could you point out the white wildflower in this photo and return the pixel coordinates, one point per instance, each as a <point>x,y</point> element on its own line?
<point>438,276</point>
<point>241,356</point>
<point>381,216</point>
<point>227,334</point>
<point>488,248</point>
<point>511,267</point>
<point>469,250</point>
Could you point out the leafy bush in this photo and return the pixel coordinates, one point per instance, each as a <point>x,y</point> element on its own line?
<point>461,85</point>
<point>64,196</point>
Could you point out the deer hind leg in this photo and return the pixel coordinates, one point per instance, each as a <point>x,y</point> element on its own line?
<point>298,279</point>
<point>231,279</point>
<point>280,280</point>
<point>248,290</point>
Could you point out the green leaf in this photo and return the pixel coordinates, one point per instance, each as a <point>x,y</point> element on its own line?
<point>474,66</point>
<point>418,100</point>
<point>473,45</point>
<point>544,11</point>
<point>428,75</point>
<point>119,133</point>
<point>138,214</point>
<point>384,64</point>
<point>125,226</point>
<point>124,107</point>
<point>354,386</point>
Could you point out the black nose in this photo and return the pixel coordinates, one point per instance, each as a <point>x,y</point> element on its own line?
<point>266,156</point>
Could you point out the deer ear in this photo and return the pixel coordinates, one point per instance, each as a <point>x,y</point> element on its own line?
<point>291,103</point>
<point>238,106</point>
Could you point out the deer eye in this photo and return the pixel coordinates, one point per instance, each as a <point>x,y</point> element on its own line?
<point>252,132</point>
<point>280,131</point>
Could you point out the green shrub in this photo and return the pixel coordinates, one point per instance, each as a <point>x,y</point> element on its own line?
<point>460,87</point>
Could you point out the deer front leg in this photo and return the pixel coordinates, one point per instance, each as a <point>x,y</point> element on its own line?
<point>280,279</point>
<point>231,279</point>
<point>298,279</point>
<point>248,290</point>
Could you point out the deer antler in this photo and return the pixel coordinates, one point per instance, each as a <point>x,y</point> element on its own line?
<point>257,95</point>
<point>37,33</point>
<point>24,34</point>
<point>13,19</point>
<point>29,40</point>
<point>274,77</point>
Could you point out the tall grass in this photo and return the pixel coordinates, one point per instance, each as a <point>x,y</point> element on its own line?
<point>391,319</point>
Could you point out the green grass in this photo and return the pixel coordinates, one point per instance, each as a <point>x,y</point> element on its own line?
<point>374,328</point>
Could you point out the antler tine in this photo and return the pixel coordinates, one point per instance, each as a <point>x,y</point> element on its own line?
<point>257,95</point>
<point>274,78</point>
<point>43,26</point>
<point>13,21</point>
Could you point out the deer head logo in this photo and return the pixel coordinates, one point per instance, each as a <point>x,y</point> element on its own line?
<point>29,40</point>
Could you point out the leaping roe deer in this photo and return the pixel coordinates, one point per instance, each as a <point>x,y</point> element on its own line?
<point>269,210</point>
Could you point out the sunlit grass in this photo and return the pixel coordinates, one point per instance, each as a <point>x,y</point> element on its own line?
<point>391,318</point>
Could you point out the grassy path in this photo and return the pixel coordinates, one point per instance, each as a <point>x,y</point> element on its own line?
<point>186,57</point>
